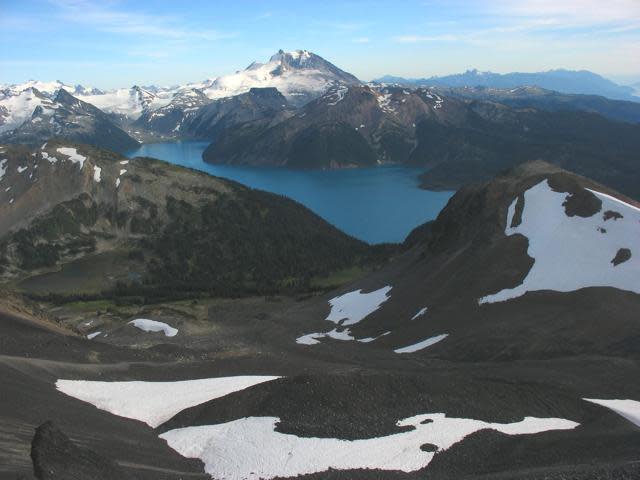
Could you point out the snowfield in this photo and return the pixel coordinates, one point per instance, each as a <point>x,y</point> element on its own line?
<point>629,409</point>
<point>354,306</point>
<point>251,448</point>
<point>422,345</point>
<point>154,326</point>
<point>348,309</point>
<point>73,155</point>
<point>130,102</point>
<point>155,402</point>
<point>571,253</point>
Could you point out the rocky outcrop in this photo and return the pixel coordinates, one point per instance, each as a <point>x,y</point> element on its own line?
<point>56,457</point>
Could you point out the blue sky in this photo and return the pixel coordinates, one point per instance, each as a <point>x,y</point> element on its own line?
<point>113,43</point>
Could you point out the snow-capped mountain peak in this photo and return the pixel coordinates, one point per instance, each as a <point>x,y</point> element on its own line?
<point>299,75</point>
<point>17,105</point>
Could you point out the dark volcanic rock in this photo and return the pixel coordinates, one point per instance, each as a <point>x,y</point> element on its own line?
<point>582,203</point>
<point>56,457</point>
<point>610,214</point>
<point>257,105</point>
<point>622,256</point>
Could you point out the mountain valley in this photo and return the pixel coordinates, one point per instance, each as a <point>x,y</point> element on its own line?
<point>426,329</point>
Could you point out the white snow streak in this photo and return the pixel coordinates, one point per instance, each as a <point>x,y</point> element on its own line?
<point>421,312</point>
<point>421,345</point>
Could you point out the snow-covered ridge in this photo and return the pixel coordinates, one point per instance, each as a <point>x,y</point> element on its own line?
<point>299,75</point>
<point>130,102</point>
<point>571,253</point>
<point>17,106</point>
<point>252,448</point>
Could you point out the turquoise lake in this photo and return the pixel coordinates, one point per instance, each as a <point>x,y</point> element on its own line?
<point>376,205</point>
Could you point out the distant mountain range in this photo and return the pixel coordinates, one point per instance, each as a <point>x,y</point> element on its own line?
<point>298,110</point>
<point>565,81</point>
<point>542,99</point>
<point>457,139</point>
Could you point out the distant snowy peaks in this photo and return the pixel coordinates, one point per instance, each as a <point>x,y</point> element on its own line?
<point>47,88</point>
<point>299,75</point>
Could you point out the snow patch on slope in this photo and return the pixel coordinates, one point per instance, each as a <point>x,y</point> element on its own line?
<point>629,409</point>
<point>73,155</point>
<point>155,402</point>
<point>154,326</point>
<point>348,309</point>
<point>352,307</point>
<point>252,448</point>
<point>571,253</point>
<point>422,345</point>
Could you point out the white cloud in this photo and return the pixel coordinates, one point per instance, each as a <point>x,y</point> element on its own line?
<point>573,11</point>
<point>426,38</point>
<point>361,40</point>
<point>109,19</point>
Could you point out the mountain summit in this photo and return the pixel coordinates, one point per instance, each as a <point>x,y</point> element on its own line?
<point>299,75</point>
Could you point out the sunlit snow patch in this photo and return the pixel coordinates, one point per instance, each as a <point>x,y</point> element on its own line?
<point>154,326</point>
<point>571,253</point>
<point>352,307</point>
<point>348,309</point>
<point>251,448</point>
<point>155,402</point>
<point>73,155</point>
<point>629,409</point>
<point>93,335</point>
<point>421,345</point>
